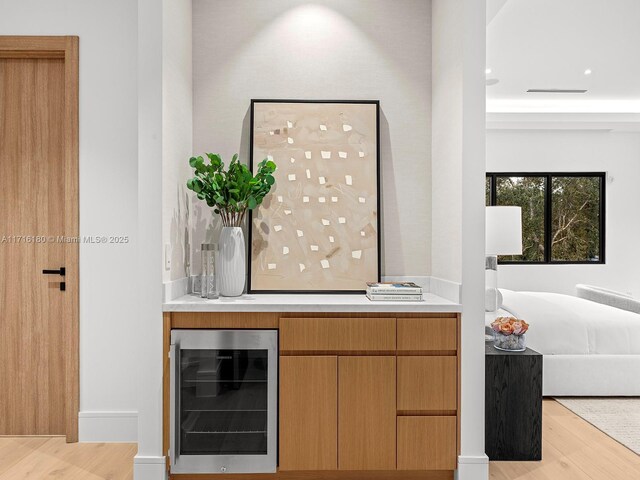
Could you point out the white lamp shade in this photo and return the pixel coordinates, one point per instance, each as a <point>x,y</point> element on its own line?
<point>503,234</point>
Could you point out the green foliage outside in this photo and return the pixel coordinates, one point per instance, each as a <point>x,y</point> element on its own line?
<point>575,218</point>
<point>230,192</point>
<point>528,193</point>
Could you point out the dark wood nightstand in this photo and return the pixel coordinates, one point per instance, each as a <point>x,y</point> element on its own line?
<point>513,404</point>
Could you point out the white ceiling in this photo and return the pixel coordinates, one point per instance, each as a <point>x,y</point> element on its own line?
<point>550,43</point>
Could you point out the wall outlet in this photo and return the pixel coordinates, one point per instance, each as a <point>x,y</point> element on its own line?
<point>167,256</point>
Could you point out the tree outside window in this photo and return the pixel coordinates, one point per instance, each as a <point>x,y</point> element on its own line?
<point>562,214</point>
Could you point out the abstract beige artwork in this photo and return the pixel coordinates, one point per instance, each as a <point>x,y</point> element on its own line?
<point>318,229</point>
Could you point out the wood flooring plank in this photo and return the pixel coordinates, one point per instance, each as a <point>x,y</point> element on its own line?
<point>592,436</point>
<point>572,449</point>
<point>14,450</point>
<point>554,467</point>
<point>599,456</point>
<point>52,458</point>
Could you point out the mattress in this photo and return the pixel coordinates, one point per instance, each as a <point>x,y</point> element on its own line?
<point>566,325</point>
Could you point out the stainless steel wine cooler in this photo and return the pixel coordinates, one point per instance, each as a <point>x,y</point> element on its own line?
<point>224,401</point>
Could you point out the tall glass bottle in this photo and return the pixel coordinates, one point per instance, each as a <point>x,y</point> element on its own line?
<point>209,288</point>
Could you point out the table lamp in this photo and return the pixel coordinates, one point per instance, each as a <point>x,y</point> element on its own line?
<point>503,236</point>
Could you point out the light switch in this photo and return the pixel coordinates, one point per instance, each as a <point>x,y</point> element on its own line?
<point>167,256</point>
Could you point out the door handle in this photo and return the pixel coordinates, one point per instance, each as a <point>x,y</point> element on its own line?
<point>62,272</point>
<point>174,404</point>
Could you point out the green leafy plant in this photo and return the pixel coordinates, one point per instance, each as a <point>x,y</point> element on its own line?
<point>230,193</point>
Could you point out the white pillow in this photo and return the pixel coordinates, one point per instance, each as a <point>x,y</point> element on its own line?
<point>584,288</point>
<point>612,298</point>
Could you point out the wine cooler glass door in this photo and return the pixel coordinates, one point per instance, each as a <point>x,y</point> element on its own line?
<point>224,401</point>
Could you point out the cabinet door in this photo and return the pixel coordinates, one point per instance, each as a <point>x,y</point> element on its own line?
<point>308,413</point>
<point>426,443</point>
<point>367,413</point>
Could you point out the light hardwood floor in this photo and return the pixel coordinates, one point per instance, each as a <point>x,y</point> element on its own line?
<point>572,449</point>
<point>39,458</point>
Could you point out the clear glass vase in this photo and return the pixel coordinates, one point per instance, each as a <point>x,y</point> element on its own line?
<point>510,343</point>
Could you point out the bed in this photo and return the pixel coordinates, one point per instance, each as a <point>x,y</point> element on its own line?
<point>589,349</point>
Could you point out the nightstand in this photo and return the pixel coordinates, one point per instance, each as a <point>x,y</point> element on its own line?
<point>513,404</point>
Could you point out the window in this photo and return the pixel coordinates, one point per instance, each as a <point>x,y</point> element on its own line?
<point>562,215</point>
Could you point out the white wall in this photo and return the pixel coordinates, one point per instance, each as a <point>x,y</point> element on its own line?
<point>446,164</point>
<point>149,463</point>
<point>458,211</point>
<point>330,49</point>
<point>618,154</point>
<point>108,197</point>
<point>177,133</point>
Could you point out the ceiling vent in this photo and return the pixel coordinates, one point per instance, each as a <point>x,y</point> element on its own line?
<point>554,90</point>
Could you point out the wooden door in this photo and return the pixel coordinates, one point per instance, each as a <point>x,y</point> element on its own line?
<point>367,413</point>
<point>308,413</point>
<point>38,213</point>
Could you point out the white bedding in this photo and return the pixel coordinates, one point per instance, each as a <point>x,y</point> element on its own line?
<point>566,325</point>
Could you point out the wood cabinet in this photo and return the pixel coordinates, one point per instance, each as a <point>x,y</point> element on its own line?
<point>426,443</point>
<point>359,393</point>
<point>318,425</point>
<point>427,335</point>
<point>338,334</point>
<point>513,378</point>
<point>397,392</point>
<point>427,383</point>
<point>309,413</point>
<point>367,413</point>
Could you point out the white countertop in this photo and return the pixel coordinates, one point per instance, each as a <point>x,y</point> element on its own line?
<point>307,303</point>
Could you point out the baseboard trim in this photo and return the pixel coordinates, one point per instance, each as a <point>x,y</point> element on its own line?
<point>445,289</point>
<point>149,468</point>
<point>108,426</point>
<point>472,467</point>
<point>175,289</point>
<point>421,280</point>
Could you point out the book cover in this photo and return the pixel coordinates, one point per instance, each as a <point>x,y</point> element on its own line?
<point>393,288</point>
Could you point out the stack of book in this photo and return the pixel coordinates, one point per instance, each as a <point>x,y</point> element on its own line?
<point>394,292</point>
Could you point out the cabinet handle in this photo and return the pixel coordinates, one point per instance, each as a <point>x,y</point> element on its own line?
<point>62,272</point>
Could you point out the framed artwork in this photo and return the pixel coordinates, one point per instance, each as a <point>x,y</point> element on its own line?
<point>318,231</point>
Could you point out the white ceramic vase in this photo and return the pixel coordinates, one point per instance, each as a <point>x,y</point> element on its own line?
<point>231,261</point>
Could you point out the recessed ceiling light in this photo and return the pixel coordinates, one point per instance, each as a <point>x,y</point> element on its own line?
<point>587,71</point>
<point>487,71</point>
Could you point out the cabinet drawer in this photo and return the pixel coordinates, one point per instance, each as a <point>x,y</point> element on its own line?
<point>338,334</point>
<point>426,443</point>
<point>427,384</point>
<point>427,334</point>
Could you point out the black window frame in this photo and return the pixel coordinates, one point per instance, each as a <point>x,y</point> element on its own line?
<point>548,176</point>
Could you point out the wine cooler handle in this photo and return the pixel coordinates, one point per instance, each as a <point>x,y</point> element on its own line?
<point>174,411</point>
